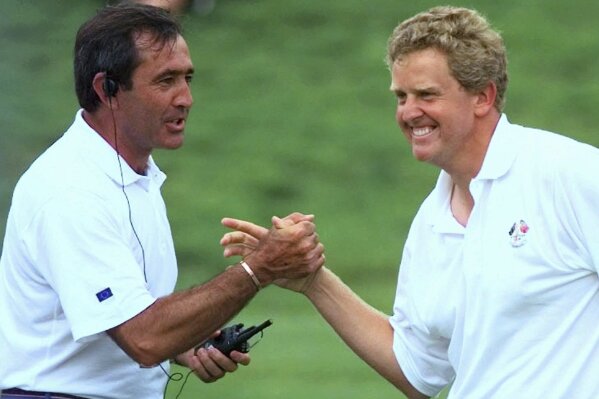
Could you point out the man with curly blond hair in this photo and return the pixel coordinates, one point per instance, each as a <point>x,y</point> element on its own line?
<point>498,293</point>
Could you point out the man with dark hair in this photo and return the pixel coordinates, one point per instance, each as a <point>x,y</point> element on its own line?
<point>88,264</point>
<point>498,293</point>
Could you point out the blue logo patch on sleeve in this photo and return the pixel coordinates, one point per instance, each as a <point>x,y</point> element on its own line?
<point>104,294</point>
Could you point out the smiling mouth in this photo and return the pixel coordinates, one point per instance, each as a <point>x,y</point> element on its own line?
<point>422,131</point>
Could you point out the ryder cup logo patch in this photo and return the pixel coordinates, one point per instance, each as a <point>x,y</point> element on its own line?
<point>518,233</point>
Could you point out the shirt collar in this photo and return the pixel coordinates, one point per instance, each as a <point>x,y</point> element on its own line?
<point>441,219</point>
<point>501,153</point>
<point>498,159</point>
<point>103,156</point>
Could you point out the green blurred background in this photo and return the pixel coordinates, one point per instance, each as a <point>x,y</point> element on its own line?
<point>292,112</point>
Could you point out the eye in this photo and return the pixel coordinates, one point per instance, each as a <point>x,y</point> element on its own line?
<point>428,95</point>
<point>401,97</point>
<point>166,80</point>
<point>188,78</point>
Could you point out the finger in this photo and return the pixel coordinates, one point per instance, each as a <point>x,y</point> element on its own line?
<point>279,223</point>
<point>240,358</point>
<point>316,255</point>
<point>247,227</point>
<point>204,367</point>
<point>221,361</point>
<point>309,228</point>
<point>316,238</point>
<point>238,237</point>
<point>301,229</point>
<point>291,219</point>
<point>297,217</point>
<point>237,250</point>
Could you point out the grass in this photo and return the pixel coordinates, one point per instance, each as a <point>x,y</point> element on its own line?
<point>292,112</point>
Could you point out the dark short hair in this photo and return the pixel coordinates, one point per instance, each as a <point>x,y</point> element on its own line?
<point>107,43</point>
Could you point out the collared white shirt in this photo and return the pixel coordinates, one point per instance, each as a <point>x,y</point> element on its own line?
<point>72,268</point>
<point>507,307</point>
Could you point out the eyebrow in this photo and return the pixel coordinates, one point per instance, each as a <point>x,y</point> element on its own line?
<point>395,90</point>
<point>427,89</point>
<point>169,72</point>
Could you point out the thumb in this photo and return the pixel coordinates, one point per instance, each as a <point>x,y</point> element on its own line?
<point>291,220</point>
<point>279,223</point>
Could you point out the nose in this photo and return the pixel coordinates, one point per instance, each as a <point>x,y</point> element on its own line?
<point>408,110</point>
<point>184,98</point>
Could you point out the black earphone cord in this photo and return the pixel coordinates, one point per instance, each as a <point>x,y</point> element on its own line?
<point>118,157</point>
<point>110,92</point>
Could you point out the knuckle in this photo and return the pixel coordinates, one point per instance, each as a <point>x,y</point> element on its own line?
<point>306,246</point>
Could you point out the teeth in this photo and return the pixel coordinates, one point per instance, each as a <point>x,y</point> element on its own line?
<point>421,131</point>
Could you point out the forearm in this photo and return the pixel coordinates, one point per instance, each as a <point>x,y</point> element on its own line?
<point>364,329</point>
<point>178,322</point>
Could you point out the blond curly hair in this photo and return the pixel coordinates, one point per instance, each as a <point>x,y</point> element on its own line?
<point>475,52</point>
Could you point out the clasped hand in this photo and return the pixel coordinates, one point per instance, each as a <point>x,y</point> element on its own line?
<point>289,254</point>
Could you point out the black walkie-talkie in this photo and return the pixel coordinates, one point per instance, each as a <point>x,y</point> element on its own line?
<point>234,338</point>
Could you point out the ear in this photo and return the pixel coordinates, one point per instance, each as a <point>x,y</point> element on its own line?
<point>99,86</point>
<point>484,101</point>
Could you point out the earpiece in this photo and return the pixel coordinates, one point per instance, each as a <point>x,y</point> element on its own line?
<point>110,86</point>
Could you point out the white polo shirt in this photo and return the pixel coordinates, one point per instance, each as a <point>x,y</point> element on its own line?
<point>507,307</point>
<point>72,268</point>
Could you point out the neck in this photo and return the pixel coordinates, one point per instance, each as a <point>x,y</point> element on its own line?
<point>465,166</point>
<point>461,203</point>
<point>102,122</point>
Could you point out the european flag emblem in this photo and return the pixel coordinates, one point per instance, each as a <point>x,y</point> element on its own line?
<point>104,294</point>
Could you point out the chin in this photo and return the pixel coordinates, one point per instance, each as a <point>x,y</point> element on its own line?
<point>173,146</point>
<point>173,143</point>
<point>421,156</point>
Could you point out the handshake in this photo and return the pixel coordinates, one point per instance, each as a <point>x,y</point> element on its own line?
<point>288,254</point>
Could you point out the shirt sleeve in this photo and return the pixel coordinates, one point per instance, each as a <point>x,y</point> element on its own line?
<point>85,252</point>
<point>421,355</point>
<point>577,197</point>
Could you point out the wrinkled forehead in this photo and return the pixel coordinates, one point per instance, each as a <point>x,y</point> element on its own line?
<point>147,41</point>
<point>158,58</point>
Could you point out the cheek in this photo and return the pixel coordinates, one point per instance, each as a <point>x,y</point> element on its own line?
<point>400,120</point>
<point>398,115</point>
<point>406,134</point>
